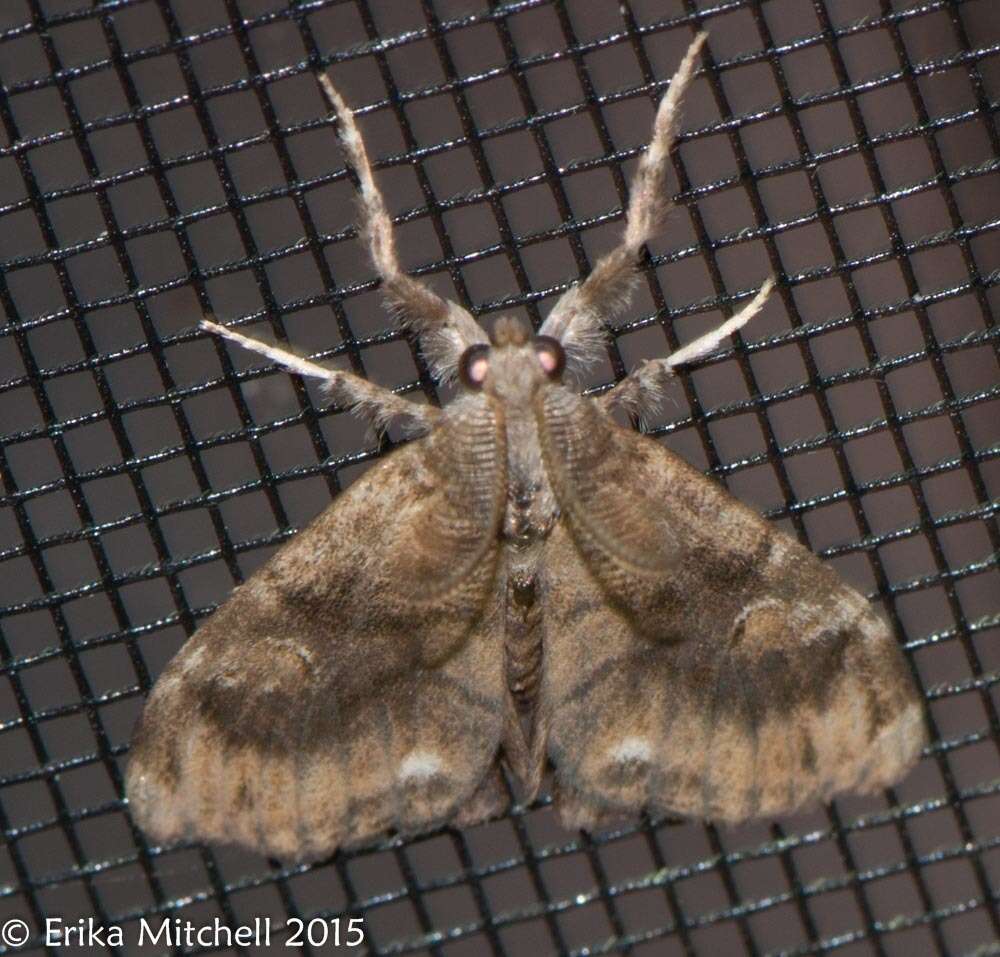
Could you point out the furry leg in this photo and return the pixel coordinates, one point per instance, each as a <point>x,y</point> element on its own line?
<point>577,319</point>
<point>640,392</point>
<point>378,405</point>
<point>445,329</point>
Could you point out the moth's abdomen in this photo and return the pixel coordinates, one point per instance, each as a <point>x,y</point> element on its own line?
<point>523,639</point>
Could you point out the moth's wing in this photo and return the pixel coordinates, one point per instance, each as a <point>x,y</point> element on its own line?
<point>697,660</point>
<point>355,683</point>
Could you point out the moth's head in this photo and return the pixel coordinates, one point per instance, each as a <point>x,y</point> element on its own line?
<point>514,364</point>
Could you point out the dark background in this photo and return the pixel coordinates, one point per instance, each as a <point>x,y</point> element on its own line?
<point>164,161</point>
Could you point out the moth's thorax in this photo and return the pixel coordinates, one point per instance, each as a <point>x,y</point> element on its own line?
<point>512,384</point>
<point>531,505</point>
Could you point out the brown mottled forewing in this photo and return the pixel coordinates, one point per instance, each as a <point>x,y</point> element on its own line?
<point>355,683</point>
<point>697,661</point>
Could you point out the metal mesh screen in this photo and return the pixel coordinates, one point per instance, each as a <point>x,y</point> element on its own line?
<point>160,161</point>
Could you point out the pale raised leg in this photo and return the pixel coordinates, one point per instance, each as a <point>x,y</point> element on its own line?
<point>379,406</point>
<point>640,392</point>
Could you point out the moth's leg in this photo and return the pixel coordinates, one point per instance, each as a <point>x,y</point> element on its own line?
<point>577,319</point>
<point>445,329</point>
<point>380,406</point>
<point>639,393</point>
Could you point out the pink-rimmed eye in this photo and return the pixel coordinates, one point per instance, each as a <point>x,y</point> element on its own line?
<point>551,356</point>
<point>474,365</point>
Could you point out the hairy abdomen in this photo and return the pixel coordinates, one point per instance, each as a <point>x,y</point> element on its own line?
<point>522,639</point>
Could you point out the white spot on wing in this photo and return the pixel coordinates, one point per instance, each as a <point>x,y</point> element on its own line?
<point>632,749</point>
<point>419,766</point>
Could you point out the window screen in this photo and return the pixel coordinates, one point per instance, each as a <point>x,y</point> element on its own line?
<point>164,161</point>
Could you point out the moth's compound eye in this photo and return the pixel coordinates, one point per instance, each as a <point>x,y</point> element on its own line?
<point>551,357</point>
<point>474,365</point>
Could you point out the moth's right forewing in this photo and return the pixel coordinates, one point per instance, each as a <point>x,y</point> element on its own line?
<point>698,661</point>
<point>355,682</point>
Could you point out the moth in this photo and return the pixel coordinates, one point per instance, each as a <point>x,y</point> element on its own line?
<point>526,582</point>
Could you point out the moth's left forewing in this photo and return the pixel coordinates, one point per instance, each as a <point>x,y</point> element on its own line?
<point>698,661</point>
<point>355,683</point>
